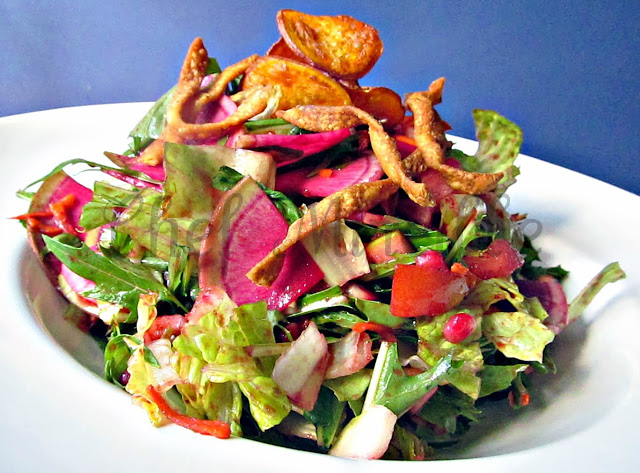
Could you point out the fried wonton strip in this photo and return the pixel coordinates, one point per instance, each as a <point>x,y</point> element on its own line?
<point>219,86</point>
<point>327,118</point>
<point>425,118</point>
<point>339,205</point>
<point>188,98</point>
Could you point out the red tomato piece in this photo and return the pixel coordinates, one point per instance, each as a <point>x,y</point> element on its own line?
<point>165,326</point>
<point>499,260</point>
<point>424,290</point>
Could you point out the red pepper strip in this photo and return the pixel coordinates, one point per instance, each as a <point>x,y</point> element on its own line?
<point>385,332</point>
<point>37,226</point>
<point>59,211</point>
<point>216,428</point>
<point>39,214</point>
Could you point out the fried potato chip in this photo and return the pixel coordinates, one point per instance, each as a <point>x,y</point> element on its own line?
<point>300,84</point>
<point>383,103</point>
<point>280,49</point>
<point>339,205</point>
<point>340,45</point>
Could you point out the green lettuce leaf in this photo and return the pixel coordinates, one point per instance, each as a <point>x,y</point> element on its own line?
<point>326,416</point>
<point>350,387</point>
<point>517,335</point>
<point>142,221</point>
<point>432,346</point>
<point>609,274</point>
<point>497,378</point>
<point>219,338</point>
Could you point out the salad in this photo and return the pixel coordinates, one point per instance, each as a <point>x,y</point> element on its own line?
<point>285,255</point>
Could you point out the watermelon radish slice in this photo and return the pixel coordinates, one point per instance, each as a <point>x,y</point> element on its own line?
<point>245,227</point>
<point>305,145</point>
<point>217,111</point>
<point>364,169</point>
<point>132,162</point>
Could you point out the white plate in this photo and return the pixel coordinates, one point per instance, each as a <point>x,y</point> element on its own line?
<point>59,415</point>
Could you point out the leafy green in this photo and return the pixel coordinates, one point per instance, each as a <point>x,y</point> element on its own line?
<point>499,145</point>
<point>497,378</point>
<point>219,339</point>
<point>532,269</point>
<point>326,416</point>
<point>117,281</point>
<point>448,407</point>
<point>350,387</point>
<point>392,388</point>
<point>142,221</point>
<point>609,274</point>
<point>517,334</point>
<point>432,346</point>
<point>380,313</point>
<point>102,207</point>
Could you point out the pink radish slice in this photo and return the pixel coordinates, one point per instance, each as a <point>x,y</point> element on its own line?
<point>217,111</point>
<point>364,169</point>
<point>245,227</point>
<point>131,162</point>
<point>551,295</point>
<point>306,144</point>
<point>300,370</point>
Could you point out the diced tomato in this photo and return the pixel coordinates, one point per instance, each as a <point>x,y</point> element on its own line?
<point>165,326</point>
<point>424,290</point>
<point>500,260</point>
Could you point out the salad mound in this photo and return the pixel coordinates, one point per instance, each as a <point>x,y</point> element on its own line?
<point>286,255</point>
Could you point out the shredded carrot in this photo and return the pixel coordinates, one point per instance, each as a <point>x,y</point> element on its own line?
<point>325,172</point>
<point>40,227</point>
<point>459,269</point>
<point>60,209</point>
<point>385,332</point>
<point>216,428</point>
<point>406,139</point>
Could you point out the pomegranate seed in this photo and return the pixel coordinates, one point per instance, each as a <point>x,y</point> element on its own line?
<point>431,259</point>
<point>459,327</point>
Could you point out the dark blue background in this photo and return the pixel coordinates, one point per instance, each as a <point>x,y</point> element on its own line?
<point>567,72</point>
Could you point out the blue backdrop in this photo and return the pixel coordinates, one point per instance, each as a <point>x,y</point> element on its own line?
<point>567,72</point>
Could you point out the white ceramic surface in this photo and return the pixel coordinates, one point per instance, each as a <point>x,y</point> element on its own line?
<point>58,415</point>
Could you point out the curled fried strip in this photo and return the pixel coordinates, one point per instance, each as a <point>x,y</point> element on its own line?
<point>426,134</point>
<point>188,98</point>
<point>328,118</point>
<point>218,87</point>
<point>339,205</point>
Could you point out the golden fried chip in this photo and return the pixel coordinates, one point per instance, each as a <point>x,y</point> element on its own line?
<point>339,205</point>
<point>341,45</point>
<point>280,49</point>
<point>300,84</point>
<point>383,103</point>
<point>319,118</point>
